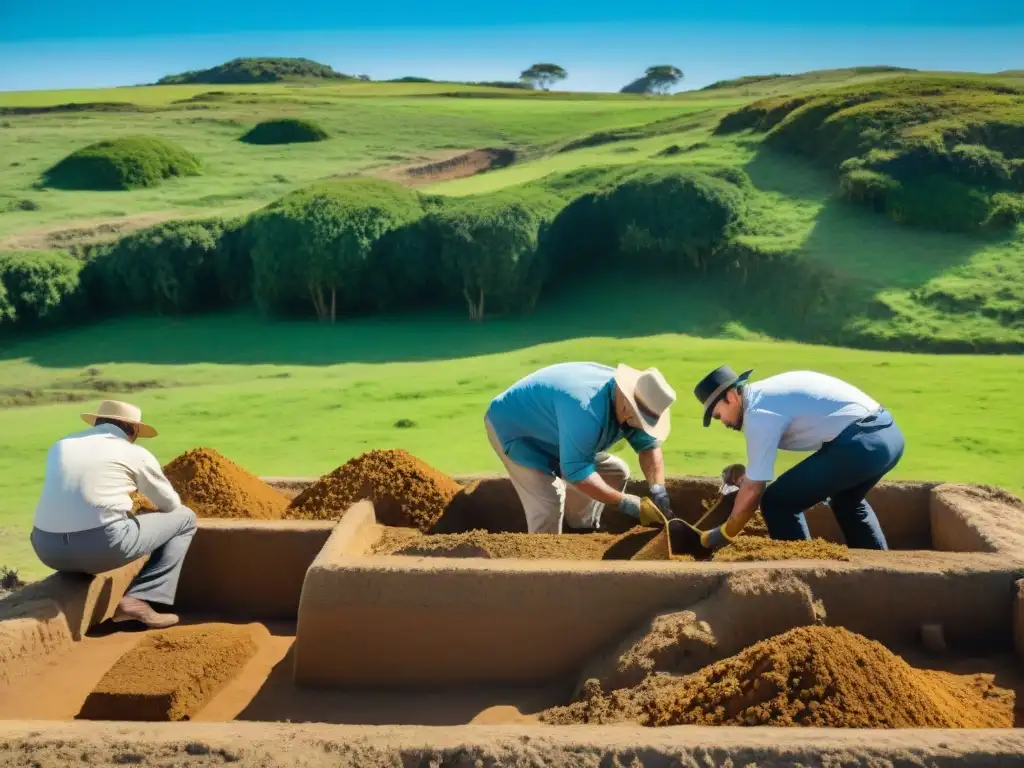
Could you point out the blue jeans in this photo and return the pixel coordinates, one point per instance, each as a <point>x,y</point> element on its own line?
<point>840,473</point>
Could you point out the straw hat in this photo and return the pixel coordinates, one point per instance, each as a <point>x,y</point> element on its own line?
<point>649,396</point>
<point>118,411</point>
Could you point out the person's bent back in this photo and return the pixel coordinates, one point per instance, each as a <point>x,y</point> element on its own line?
<point>83,521</point>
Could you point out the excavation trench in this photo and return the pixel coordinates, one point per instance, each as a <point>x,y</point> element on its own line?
<point>386,592</point>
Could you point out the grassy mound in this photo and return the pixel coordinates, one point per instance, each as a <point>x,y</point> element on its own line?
<point>125,163</point>
<point>940,152</point>
<point>285,130</point>
<point>257,70</point>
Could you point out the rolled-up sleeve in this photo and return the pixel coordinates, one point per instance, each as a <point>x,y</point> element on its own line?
<point>640,441</point>
<point>151,481</point>
<point>763,430</point>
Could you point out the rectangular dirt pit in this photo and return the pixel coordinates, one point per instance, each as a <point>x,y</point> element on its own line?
<point>171,674</point>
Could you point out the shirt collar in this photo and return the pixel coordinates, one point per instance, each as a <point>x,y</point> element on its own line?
<point>110,429</point>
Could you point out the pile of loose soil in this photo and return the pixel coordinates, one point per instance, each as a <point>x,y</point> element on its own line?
<point>749,548</point>
<point>405,491</point>
<point>212,485</point>
<point>809,676</point>
<point>523,546</point>
<point>746,608</point>
<point>173,673</point>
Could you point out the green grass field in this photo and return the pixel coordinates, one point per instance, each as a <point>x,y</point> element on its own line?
<point>300,398</point>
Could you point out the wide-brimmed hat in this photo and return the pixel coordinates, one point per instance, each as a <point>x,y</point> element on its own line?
<point>713,387</point>
<point>649,396</point>
<point>123,412</point>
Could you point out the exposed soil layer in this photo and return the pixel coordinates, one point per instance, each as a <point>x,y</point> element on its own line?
<point>405,491</point>
<point>212,485</point>
<point>171,674</point>
<point>809,676</point>
<point>468,164</point>
<point>749,548</point>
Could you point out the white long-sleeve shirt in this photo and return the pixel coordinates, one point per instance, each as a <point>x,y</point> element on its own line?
<point>90,476</point>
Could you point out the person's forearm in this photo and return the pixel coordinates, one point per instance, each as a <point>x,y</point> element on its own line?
<point>652,463</point>
<point>596,488</point>
<point>747,499</point>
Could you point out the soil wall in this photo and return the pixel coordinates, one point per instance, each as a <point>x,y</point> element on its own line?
<point>249,569</point>
<point>1018,620</point>
<point>260,744</point>
<point>406,621</point>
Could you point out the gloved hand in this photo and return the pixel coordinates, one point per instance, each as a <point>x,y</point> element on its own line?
<point>716,538</point>
<point>650,514</point>
<point>660,495</point>
<point>630,505</point>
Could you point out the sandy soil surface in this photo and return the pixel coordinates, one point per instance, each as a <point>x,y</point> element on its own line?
<point>262,744</point>
<point>82,232</point>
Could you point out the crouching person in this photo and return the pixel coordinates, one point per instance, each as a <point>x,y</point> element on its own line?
<point>553,431</point>
<point>83,522</point>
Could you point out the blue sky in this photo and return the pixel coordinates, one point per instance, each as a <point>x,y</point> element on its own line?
<point>65,44</point>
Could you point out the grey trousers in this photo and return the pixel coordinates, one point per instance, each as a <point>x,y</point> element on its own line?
<point>165,536</point>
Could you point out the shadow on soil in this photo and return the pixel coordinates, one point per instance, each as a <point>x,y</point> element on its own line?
<point>280,700</point>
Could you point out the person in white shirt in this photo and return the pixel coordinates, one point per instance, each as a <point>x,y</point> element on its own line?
<point>855,443</point>
<point>83,521</point>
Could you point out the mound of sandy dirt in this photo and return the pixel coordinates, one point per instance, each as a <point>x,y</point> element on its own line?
<point>749,548</point>
<point>212,485</point>
<point>405,491</point>
<point>809,676</point>
<point>747,607</point>
<point>171,674</point>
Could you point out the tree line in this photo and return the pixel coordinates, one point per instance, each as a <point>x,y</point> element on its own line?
<point>657,79</point>
<point>359,246</point>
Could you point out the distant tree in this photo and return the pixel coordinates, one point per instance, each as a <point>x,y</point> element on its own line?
<point>543,76</point>
<point>364,77</point>
<point>663,76</point>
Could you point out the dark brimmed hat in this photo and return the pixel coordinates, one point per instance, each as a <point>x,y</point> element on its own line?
<point>713,387</point>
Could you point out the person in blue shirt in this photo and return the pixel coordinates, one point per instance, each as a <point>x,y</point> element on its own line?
<point>553,429</point>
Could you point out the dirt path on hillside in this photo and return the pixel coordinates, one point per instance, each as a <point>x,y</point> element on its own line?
<point>448,165</point>
<point>88,232</point>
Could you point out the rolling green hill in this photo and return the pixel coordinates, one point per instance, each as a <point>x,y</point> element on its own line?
<point>257,70</point>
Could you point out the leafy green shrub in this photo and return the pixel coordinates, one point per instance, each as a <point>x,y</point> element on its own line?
<point>869,187</point>
<point>975,164</point>
<point>284,130</point>
<point>175,267</point>
<point>37,287</point>
<point>1005,210</point>
<point>663,217</point>
<point>489,248</point>
<point>938,202</point>
<point>315,243</point>
<point>125,163</point>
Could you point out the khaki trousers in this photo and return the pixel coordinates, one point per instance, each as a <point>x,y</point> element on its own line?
<point>547,500</point>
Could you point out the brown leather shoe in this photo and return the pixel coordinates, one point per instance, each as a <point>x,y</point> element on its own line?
<point>133,609</point>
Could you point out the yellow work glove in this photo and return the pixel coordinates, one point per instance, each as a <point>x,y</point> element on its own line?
<point>650,514</point>
<point>716,538</point>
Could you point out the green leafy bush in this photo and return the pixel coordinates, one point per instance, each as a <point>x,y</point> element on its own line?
<point>285,130</point>
<point>938,202</point>
<point>314,245</point>
<point>37,287</point>
<point>176,267</point>
<point>125,163</point>
<point>489,247</point>
<point>869,187</point>
<point>662,217</point>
